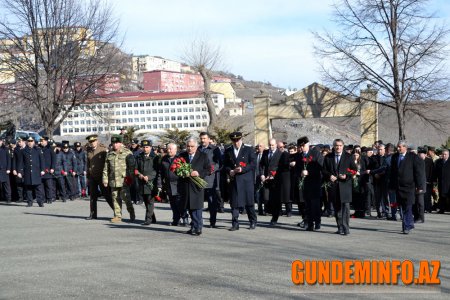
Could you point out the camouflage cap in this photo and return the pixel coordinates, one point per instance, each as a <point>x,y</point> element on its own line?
<point>116,138</point>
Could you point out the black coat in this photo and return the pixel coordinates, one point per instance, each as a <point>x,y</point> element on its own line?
<point>442,175</point>
<point>5,164</point>
<point>341,189</point>
<point>147,166</point>
<point>313,182</point>
<point>49,161</point>
<point>168,180</point>
<point>241,186</point>
<point>193,196</point>
<point>280,186</point>
<point>67,162</point>
<point>408,177</point>
<point>31,164</point>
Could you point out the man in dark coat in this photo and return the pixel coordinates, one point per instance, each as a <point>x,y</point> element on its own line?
<point>336,168</point>
<point>145,172</point>
<point>192,195</point>
<point>5,169</point>
<point>239,164</point>
<point>49,169</point>
<point>211,192</point>
<point>309,170</point>
<point>169,182</point>
<point>31,168</point>
<point>407,180</point>
<point>442,175</point>
<point>80,178</point>
<point>274,168</point>
<point>19,186</point>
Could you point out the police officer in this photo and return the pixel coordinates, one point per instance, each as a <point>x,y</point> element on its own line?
<point>80,178</point>
<point>5,169</point>
<point>49,169</point>
<point>146,171</point>
<point>117,174</point>
<point>31,169</point>
<point>136,196</point>
<point>66,166</point>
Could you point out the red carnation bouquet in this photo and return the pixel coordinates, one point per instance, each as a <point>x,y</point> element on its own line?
<point>353,174</point>
<point>183,169</point>
<point>306,161</point>
<point>270,177</point>
<point>242,164</point>
<point>157,197</point>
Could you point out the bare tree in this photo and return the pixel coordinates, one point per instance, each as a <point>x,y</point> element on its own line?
<point>59,51</point>
<point>393,45</point>
<point>204,57</point>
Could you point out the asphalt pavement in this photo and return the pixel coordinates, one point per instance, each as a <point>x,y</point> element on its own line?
<point>54,253</point>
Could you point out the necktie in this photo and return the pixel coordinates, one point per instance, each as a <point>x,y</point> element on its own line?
<point>190,157</point>
<point>338,158</point>
<point>259,159</point>
<point>270,155</point>
<point>400,158</point>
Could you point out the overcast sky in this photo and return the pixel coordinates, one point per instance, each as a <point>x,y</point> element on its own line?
<point>263,40</point>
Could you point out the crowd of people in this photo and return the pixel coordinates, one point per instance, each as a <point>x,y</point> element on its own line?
<point>395,181</point>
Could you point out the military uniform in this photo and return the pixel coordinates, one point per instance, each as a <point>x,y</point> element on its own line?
<point>48,180</point>
<point>147,166</point>
<point>18,192</point>
<point>94,168</point>
<point>66,167</point>
<point>5,169</point>
<point>117,174</point>
<point>31,169</point>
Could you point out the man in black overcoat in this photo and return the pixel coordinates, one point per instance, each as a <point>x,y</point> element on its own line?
<point>335,171</point>
<point>191,194</point>
<point>239,164</point>
<point>442,177</point>
<point>31,168</point>
<point>312,159</point>
<point>5,169</point>
<point>406,178</point>
<point>48,181</point>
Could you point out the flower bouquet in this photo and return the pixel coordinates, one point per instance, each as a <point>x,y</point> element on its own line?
<point>306,161</point>
<point>183,169</point>
<point>353,173</point>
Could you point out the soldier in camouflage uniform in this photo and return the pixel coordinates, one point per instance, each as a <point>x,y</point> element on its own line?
<point>117,174</point>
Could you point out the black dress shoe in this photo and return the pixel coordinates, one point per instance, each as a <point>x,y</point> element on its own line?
<point>339,232</point>
<point>289,215</point>
<point>146,224</point>
<point>41,204</point>
<point>317,226</point>
<point>273,223</point>
<point>406,231</point>
<point>301,224</point>
<point>309,228</point>
<point>252,226</point>
<point>234,228</point>
<point>212,226</point>
<point>441,211</point>
<point>190,231</point>
<point>91,217</point>
<point>29,205</point>
<point>197,233</point>
<point>345,233</point>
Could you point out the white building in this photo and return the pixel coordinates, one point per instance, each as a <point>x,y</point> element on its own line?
<point>144,63</point>
<point>151,112</point>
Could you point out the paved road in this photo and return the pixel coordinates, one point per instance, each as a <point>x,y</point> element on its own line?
<point>54,253</point>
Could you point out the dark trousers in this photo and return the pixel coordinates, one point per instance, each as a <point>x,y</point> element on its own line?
<point>427,198</point>
<point>178,210</point>
<point>406,211</point>
<point>380,194</point>
<point>149,202</point>
<point>20,191</point>
<point>419,208</point>
<point>96,187</point>
<point>197,219</point>
<point>250,209</point>
<point>213,204</point>
<point>66,184</point>
<point>5,190</point>
<point>136,197</point>
<point>313,210</point>
<point>368,197</point>
<point>49,188</point>
<point>39,192</point>
<point>443,202</point>
<point>259,196</point>
<point>342,215</point>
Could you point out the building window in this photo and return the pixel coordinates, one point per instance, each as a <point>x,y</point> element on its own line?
<point>185,102</point>
<point>161,119</point>
<point>179,118</point>
<point>141,104</point>
<point>172,110</point>
<point>166,118</point>
<point>173,118</point>
<point>197,109</point>
<point>198,124</point>
<point>191,117</point>
<point>135,104</point>
<point>160,103</point>
<point>82,129</point>
<point>147,104</point>
<point>186,125</point>
<point>160,111</point>
<point>178,102</point>
<point>130,104</point>
<point>142,119</point>
<point>155,126</point>
<point>204,124</point>
<point>191,109</point>
<point>161,126</point>
<point>124,120</point>
<point>124,105</point>
<point>76,123</point>
<point>191,125</point>
<point>130,112</point>
<point>148,111</point>
<point>149,126</point>
<point>65,130</point>
<point>197,117</point>
<point>155,119</point>
<point>172,102</point>
<point>166,110</point>
<point>136,112</point>
<point>179,110</point>
<point>167,126</point>
<point>166,103</point>
<point>82,122</point>
<point>191,102</point>
<point>154,111</point>
<point>142,112</point>
<point>136,120</point>
<point>130,120</point>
